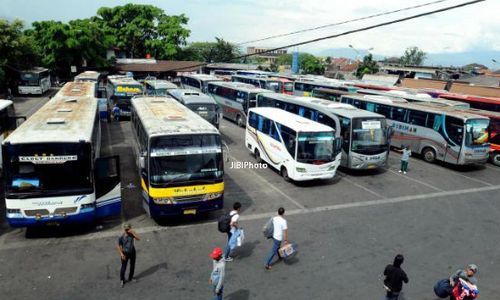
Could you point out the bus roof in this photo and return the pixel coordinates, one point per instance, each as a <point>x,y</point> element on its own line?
<point>123,80</point>
<point>290,120</point>
<point>166,116</point>
<point>244,87</point>
<point>4,103</point>
<point>161,84</point>
<point>423,106</point>
<point>67,117</point>
<point>332,91</point>
<point>35,70</point>
<point>203,77</point>
<point>414,97</point>
<point>190,96</point>
<point>88,75</point>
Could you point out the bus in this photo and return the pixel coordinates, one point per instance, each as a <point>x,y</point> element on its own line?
<point>34,82</point>
<point>300,149</point>
<point>90,76</point>
<point>157,87</point>
<point>8,121</point>
<point>120,90</point>
<point>436,132</point>
<point>255,73</point>
<point>275,84</point>
<point>53,172</point>
<point>416,97</point>
<point>364,135</point>
<point>305,87</point>
<point>484,103</point>
<point>235,98</point>
<point>179,157</point>
<point>198,81</point>
<point>202,104</point>
<point>328,94</point>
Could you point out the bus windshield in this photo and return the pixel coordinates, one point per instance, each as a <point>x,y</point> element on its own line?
<point>476,132</point>
<point>368,136</point>
<point>288,86</point>
<point>29,79</point>
<point>273,86</point>
<point>315,147</point>
<point>184,159</point>
<point>206,111</point>
<point>37,170</point>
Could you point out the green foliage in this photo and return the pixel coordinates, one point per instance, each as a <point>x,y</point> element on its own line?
<point>413,56</point>
<point>218,51</point>
<point>367,66</point>
<point>16,49</point>
<point>308,63</point>
<point>144,29</point>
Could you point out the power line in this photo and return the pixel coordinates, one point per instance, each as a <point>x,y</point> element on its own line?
<point>346,32</point>
<point>343,22</point>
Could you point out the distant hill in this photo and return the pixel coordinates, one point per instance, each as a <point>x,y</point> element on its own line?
<point>483,57</point>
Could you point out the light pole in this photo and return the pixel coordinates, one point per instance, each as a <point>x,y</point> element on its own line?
<point>357,52</point>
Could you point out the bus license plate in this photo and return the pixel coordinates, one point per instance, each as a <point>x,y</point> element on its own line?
<point>190,212</point>
<point>52,223</point>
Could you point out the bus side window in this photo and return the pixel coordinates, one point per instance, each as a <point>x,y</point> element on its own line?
<point>417,117</point>
<point>260,123</point>
<point>398,114</point>
<point>288,135</point>
<point>455,129</point>
<point>345,130</point>
<point>273,132</point>
<point>252,119</point>
<point>370,107</point>
<point>302,111</point>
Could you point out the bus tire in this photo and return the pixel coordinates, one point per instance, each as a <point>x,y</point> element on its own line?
<point>257,156</point>
<point>429,155</point>
<point>239,121</point>
<point>495,158</point>
<point>284,173</point>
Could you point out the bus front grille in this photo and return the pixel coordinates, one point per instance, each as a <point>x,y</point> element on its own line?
<point>189,198</point>
<point>36,212</point>
<point>65,210</point>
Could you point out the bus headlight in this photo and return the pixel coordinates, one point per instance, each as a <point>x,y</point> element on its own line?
<point>165,200</point>
<point>332,168</point>
<point>87,205</point>
<point>212,196</point>
<point>13,211</point>
<point>300,170</point>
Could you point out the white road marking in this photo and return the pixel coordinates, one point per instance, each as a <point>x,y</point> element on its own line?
<point>114,233</point>
<point>416,180</point>
<point>360,186</point>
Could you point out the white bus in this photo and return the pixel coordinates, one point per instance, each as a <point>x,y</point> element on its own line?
<point>300,149</point>
<point>179,158</point>
<point>8,121</point>
<point>364,134</point>
<point>202,104</point>
<point>304,87</point>
<point>90,76</point>
<point>34,82</point>
<point>198,81</point>
<point>415,97</point>
<point>155,87</point>
<point>52,166</point>
<point>120,90</point>
<point>437,132</point>
<point>235,98</point>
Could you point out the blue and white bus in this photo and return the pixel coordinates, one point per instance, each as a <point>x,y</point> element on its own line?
<point>53,172</point>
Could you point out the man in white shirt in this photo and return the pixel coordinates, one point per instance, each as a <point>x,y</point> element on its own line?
<point>280,234</point>
<point>235,216</point>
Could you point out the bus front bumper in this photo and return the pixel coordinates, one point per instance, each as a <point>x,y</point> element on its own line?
<point>186,208</point>
<point>18,220</point>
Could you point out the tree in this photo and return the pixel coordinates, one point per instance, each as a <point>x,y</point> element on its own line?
<point>308,63</point>
<point>218,51</point>
<point>367,66</point>
<point>413,56</point>
<point>17,50</point>
<point>144,29</point>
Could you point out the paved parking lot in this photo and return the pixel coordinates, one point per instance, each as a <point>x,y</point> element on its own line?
<point>440,217</point>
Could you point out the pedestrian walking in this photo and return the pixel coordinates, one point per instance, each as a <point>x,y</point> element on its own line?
<point>469,275</point>
<point>280,235</point>
<point>404,158</point>
<point>394,278</point>
<point>116,113</point>
<point>217,276</point>
<point>233,224</point>
<point>127,252</point>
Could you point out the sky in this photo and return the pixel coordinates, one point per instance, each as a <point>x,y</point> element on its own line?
<point>472,29</point>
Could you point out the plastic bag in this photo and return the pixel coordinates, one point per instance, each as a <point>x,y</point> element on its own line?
<point>240,238</point>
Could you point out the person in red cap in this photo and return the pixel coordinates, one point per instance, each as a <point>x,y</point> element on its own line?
<point>218,272</point>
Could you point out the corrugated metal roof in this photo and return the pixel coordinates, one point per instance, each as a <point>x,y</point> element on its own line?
<point>160,66</point>
<point>68,117</point>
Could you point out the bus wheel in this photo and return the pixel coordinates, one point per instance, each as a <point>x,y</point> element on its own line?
<point>284,173</point>
<point>257,156</point>
<point>429,155</point>
<point>495,158</point>
<point>239,121</point>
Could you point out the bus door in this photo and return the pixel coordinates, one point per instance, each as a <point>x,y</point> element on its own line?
<point>107,186</point>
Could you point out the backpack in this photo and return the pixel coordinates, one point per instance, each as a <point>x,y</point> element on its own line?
<point>268,229</point>
<point>224,223</point>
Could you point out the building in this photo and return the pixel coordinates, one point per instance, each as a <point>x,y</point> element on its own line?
<point>341,67</point>
<point>269,56</point>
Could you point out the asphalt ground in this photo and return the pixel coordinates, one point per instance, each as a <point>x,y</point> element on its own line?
<point>347,229</point>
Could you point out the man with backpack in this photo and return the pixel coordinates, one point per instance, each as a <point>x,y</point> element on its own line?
<point>126,249</point>
<point>280,234</point>
<point>231,227</point>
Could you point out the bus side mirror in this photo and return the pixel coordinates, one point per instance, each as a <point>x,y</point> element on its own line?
<point>338,145</point>
<point>142,162</point>
<point>225,152</point>
<point>390,131</point>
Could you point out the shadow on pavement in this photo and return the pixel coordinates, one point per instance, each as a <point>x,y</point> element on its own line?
<point>239,295</point>
<point>151,270</point>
